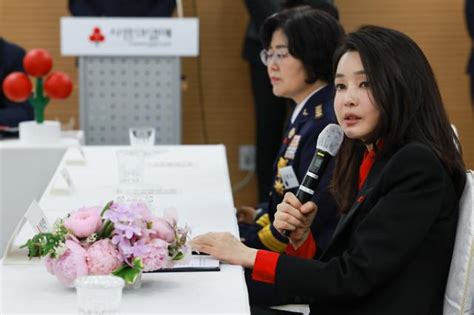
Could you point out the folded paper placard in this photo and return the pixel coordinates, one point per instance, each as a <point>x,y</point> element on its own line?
<point>62,184</point>
<point>75,156</point>
<point>39,224</point>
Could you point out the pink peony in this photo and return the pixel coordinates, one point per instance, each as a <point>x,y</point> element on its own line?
<point>163,229</point>
<point>103,257</point>
<point>157,257</point>
<point>71,264</point>
<point>84,221</point>
<point>50,263</point>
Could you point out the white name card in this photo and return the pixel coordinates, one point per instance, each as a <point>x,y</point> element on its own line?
<point>35,217</point>
<point>62,183</point>
<point>75,156</point>
<point>107,36</point>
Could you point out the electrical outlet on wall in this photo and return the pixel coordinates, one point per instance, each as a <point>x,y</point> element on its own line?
<point>247,157</point>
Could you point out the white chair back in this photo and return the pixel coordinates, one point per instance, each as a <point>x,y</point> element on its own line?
<point>459,295</point>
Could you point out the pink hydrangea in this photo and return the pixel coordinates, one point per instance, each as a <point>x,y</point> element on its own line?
<point>142,209</point>
<point>84,221</point>
<point>103,257</point>
<point>71,264</point>
<point>163,229</point>
<point>157,257</point>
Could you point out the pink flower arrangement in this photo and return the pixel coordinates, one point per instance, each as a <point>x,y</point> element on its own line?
<point>122,239</point>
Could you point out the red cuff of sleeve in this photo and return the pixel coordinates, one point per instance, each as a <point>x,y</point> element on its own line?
<point>307,250</point>
<point>265,266</point>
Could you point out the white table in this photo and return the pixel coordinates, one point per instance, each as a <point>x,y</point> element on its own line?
<point>25,171</point>
<point>192,179</point>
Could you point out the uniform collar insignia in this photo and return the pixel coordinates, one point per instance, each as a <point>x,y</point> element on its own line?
<point>318,111</point>
<point>292,132</point>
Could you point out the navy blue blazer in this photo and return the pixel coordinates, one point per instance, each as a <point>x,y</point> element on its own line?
<point>11,60</point>
<point>316,114</point>
<point>391,252</point>
<point>129,8</point>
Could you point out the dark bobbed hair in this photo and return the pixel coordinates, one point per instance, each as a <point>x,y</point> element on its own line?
<point>327,7</point>
<point>313,37</point>
<point>405,91</point>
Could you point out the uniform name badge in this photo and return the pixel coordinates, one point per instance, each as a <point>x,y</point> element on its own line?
<point>288,177</point>
<point>292,147</point>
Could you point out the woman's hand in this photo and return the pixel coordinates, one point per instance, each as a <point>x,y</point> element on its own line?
<point>246,214</point>
<point>292,216</point>
<point>225,247</point>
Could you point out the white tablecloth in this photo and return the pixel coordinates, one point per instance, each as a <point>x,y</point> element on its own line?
<point>192,179</point>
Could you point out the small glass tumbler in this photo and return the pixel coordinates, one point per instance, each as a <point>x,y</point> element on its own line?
<point>142,136</point>
<point>130,167</point>
<point>99,294</point>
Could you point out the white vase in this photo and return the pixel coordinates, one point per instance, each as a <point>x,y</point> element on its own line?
<point>31,132</point>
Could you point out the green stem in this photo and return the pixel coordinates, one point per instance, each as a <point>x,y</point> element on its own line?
<point>39,101</point>
<point>106,207</point>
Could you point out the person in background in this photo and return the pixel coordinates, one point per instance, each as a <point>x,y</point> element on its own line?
<point>11,113</point>
<point>398,178</point>
<point>469,12</point>
<point>122,8</point>
<point>299,44</point>
<point>270,110</point>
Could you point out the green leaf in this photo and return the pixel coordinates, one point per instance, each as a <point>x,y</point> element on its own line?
<point>106,230</point>
<point>43,244</point>
<point>178,256</point>
<point>127,273</point>
<point>138,263</point>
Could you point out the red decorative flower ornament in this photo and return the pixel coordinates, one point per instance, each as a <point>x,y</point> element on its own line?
<point>17,87</point>
<point>58,85</point>
<point>37,62</point>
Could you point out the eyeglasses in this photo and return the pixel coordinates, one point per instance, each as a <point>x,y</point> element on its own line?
<point>268,56</point>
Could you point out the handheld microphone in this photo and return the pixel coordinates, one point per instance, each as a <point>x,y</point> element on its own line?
<point>327,146</point>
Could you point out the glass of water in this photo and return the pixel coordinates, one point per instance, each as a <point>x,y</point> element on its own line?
<point>99,294</point>
<point>130,167</point>
<point>142,136</point>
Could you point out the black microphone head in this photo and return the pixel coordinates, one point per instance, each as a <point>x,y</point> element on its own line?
<point>330,139</point>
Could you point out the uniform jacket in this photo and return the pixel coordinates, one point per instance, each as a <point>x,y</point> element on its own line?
<point>316,114</point>
<point>11,60</point>
<point>391,252</point>
<point>149,8</point>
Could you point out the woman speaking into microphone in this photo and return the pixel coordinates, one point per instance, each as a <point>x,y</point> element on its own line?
<point>398,178</point>
<point>299,44</point>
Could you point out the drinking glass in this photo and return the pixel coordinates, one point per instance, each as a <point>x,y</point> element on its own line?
<point>130,167</point>
<point>99,294</point>
<point>142,136</point>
